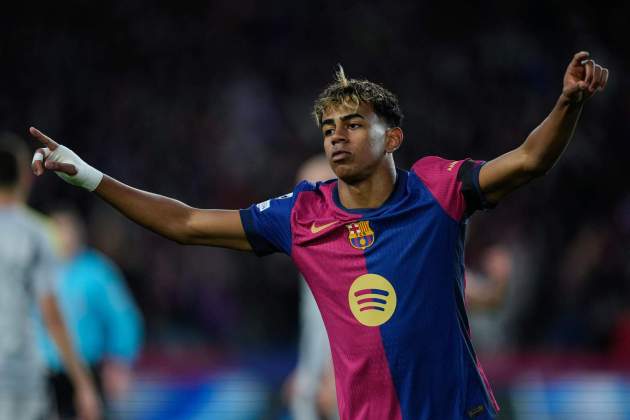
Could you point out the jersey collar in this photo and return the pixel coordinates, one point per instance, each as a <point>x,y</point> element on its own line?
<point>396,195</point>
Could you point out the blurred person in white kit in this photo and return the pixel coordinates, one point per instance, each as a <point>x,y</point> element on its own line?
<point>27,270</point>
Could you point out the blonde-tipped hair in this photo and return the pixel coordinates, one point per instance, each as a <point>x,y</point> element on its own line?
<point>340,76</point>
<point>349,93</point>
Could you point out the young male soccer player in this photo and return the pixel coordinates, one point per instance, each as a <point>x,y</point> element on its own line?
<point>381,248</point>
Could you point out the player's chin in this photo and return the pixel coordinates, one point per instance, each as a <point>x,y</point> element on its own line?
<point>340,169</point>
<point>347,173</point>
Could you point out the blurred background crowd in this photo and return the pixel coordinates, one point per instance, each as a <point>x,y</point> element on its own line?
<point>210,103</point>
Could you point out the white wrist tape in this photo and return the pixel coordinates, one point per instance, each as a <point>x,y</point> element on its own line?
<point>87,177</point>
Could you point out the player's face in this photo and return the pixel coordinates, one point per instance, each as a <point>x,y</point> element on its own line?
<point>354,141</point>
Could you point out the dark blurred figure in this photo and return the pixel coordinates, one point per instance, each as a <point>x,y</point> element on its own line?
<point>621,333</point>
<point>101,314</point>
<point>593,311</point>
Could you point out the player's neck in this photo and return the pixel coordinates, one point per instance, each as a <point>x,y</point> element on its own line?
<point>371,192</point>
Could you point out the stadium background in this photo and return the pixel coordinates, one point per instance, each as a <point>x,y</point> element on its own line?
<point>210,102</point>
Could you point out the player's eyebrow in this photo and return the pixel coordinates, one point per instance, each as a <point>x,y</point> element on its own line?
<point>330,121</point>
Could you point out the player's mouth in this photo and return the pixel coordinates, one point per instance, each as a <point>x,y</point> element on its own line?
<point>340,155</point>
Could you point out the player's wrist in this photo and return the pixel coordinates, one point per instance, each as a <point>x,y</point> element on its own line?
<point>571,100</point>
<point>86,176</point>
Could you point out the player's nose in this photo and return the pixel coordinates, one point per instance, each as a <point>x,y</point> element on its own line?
<point>338,137</point>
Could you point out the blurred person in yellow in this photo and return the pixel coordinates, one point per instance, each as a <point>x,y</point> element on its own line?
<point>381,248</point>
<point>310,388</point>
<point>27,270</point>
<point>102,317</point>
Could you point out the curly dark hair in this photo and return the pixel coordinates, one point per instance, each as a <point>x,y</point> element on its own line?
<point>350,93</point>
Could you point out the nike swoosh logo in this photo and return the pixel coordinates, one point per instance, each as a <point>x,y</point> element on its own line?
<point>317,229</point>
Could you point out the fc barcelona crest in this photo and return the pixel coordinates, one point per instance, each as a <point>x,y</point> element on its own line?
<point>360,234</point>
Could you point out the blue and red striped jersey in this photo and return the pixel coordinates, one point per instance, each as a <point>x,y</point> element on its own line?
<point>389,282</point>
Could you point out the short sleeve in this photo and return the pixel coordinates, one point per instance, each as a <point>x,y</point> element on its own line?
<point>268,224</point>
<point>468,175</point>
<point>453,183</point>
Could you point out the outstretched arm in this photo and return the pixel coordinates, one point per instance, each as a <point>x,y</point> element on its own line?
<point>165,216</point>
<point>545,144</point>
<point>174,219</point>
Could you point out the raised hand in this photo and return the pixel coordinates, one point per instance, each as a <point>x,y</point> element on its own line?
<point>64,162</point>
<point>583,78</point>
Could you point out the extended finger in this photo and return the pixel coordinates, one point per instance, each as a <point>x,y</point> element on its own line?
<point>588,68</point>
<point>66,168</point>
<point>597,77</point>
<point>50,143</point>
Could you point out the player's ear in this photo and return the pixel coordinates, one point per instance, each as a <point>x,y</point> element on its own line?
<point>393,139</point>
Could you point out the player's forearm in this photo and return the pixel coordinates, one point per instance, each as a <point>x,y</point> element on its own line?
<point>58,332</point>
<point>545,144</point>
<point>537,155</point>
<point>164,216</point>
<point>174,219</point>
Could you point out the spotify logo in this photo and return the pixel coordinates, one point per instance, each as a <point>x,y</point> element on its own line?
<point>372,299</point>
